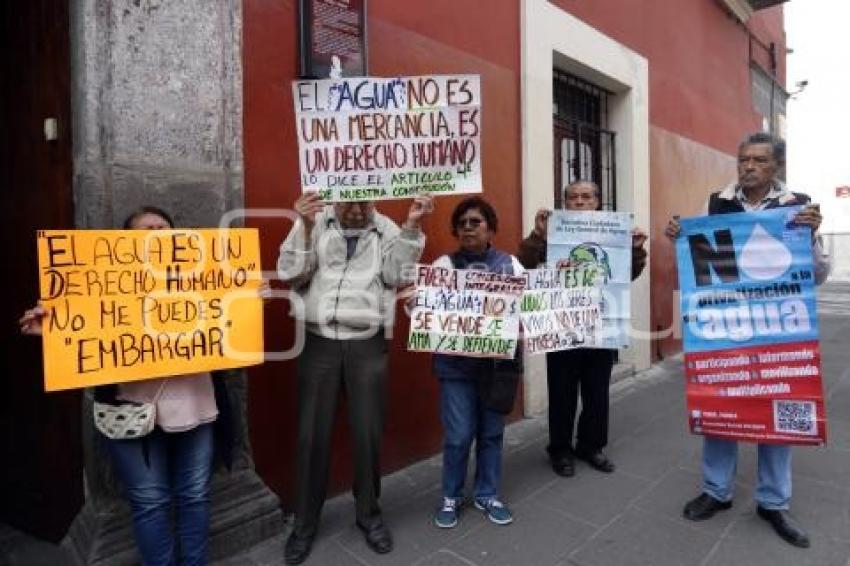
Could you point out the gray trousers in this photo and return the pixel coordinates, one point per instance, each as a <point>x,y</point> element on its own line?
<point>326,365</point>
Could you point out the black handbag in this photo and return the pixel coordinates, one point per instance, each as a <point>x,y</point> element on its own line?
<point>497,387</point>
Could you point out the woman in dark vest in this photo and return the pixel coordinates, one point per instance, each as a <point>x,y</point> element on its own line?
<point>466,411</point>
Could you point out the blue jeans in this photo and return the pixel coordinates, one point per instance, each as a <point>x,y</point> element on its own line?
<point>178,470</point>
<point>719,463</point>
<point>466,419</point>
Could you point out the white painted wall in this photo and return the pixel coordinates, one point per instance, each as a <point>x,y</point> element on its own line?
<point>553,38</point>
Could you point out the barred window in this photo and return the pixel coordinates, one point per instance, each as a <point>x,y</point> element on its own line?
<point>584,146</point>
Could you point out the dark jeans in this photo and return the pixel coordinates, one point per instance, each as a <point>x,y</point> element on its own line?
<point>585,370</point>
<point>466,419</point>
<point>324,368</point>
<point>178,470</point>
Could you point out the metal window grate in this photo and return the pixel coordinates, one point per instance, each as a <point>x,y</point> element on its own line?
<point>585,148</point>
<point>579,100</point>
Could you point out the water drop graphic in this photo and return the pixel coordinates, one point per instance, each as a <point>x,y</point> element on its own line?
<point>764,257</point>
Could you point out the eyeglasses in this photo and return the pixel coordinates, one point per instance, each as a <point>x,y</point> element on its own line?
<point>471,222</point>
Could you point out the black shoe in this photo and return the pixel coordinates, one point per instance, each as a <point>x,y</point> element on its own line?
<point>597,460</point>
<point>378,537</point>
<point>785,526</point>
<point>704,507</point>
<point>297,549</point>
<point>563,465</point>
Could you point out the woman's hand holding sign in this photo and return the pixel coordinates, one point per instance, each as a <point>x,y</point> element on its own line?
<point>31,322</point>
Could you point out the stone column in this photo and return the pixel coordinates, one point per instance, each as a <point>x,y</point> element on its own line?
<point>157,107</point>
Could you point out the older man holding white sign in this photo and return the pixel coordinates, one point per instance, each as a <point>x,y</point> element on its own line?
<point>344,260</point>
<point>585,369</point>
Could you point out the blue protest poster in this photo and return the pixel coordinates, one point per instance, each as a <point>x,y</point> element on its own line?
<point>749,322</point>
<point>746,278</point>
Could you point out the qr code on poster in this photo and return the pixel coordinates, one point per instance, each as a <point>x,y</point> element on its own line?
<point>795,417</point>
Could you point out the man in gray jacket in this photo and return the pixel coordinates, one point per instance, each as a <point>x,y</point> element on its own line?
<point>345,260</point>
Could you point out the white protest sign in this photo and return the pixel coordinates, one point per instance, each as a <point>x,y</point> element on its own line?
<point>465,312</point>
<point>373,138</point>
<point>557,314</point>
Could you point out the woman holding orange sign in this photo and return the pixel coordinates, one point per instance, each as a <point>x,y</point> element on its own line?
<point>161,435</point>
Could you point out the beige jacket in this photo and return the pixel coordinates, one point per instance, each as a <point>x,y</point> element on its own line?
<point>348,298</point>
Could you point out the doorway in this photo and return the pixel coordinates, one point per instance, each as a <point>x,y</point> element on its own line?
<point>41,479</point>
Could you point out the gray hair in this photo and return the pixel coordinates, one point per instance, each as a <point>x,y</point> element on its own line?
<point>777,145</point>
<point>596,190</point>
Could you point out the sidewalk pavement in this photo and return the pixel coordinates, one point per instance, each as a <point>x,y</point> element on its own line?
<point>630,517</point>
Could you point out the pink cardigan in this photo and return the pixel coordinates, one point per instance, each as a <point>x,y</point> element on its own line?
<point>186,401</point>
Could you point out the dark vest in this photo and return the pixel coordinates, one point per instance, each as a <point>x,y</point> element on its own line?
<point>717,205</point>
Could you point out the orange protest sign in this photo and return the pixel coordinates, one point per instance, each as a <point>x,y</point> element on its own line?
<point>126,305</point>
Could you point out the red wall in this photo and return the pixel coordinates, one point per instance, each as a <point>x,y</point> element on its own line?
<point>699,74</point>
<point>402,41</point>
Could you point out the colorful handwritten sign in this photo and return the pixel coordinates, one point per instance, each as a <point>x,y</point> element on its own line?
<point>596,248</point>
<point>557,313</point>
<point>750,329</point>
<point>125,305</point>
<point>465,312</point>
<point>389,138</point>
